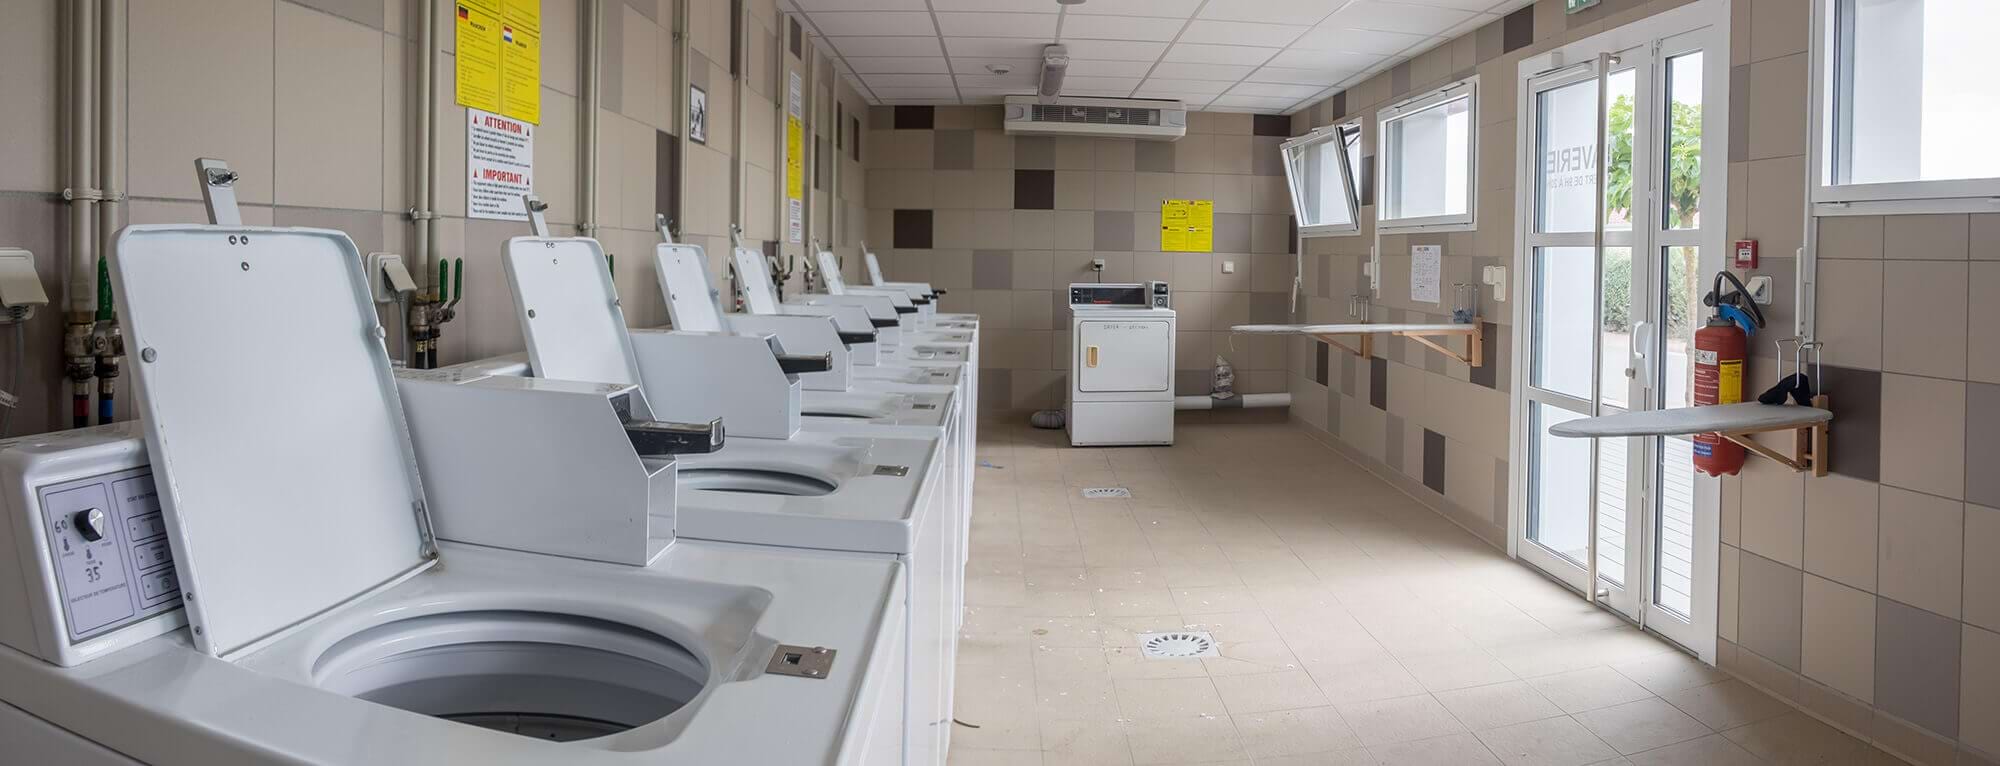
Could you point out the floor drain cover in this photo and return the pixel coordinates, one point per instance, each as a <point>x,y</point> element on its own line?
<point>1184,643</point>
<point>1106,492</point>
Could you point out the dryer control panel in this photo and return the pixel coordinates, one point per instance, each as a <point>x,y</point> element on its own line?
<point>82,515</point>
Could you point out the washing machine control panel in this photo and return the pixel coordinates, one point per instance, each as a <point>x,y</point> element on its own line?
<point>108,548</point>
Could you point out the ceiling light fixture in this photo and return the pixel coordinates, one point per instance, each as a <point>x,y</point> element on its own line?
<point>1055,63</point>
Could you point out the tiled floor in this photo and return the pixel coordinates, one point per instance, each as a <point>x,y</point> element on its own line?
<point>1356,626</point>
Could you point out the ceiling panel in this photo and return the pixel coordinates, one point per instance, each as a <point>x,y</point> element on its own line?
<point>1221,72</point>
<point>887,46</point>
<point>1121,28</point>
<point>1179,9</point>
<point>1113,50</point>
<point>1098,68</point>
<point>1183,86</point>
<point>879,81</point>
<point>898,64</point>
<point>1118,86</point>
<point>1275,90</point>
<point>1038,26</point>
<point>918,93</point>
<point>1241,33</point>
<point>1020,6</point>
<point>993,47</point>
<point>1252,103</point>
<point>1329,38</point>
<point>859,5</point>
<point>1397,17</point>
<point>1197,53</point>
<point>1342,60</point>
<point>977,65</point>
<point>1020,81</point>
<point>1317,77</point>
<point>896,23</point>
<point>1272,11</point>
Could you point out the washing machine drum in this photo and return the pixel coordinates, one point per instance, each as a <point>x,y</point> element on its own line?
<point>548,676</point>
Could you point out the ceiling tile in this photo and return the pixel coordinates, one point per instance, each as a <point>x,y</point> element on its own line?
<point>1470,25</point>
<point>1318,77</point>
<point>1303,59</point>
<point>859,5</point>
<point>1085,85</point>
<point>916,93</point>
<point>1463,5</point>
<point>1221,72</point>
<point>1272,11</point>
<point>879,81</point>
<point>898,64</point>
<point>1014,6</point>
<point>1396,17</point>
<point>977,65</point>
<point>1241,33</point>
<point>1255,103</point>
<point>1183,86</point>
<point>1195,53</point>
<point>1097,68</point>
<point>1120,28</point>
<point>886,46</point>
<point>1039,26</point>
<point>1018,80</point>
<point>1330,38</point>
<point>1179,9</point>
<point>1111,50</point>
<point>1275,90</point>
<point>1192,100</point>
<point>898,23</point>
<point>995,47</point>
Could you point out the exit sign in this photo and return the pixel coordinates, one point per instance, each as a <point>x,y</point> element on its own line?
<point>1572,6</point>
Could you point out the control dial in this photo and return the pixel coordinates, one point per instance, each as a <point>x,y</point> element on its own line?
<point>90,523</point>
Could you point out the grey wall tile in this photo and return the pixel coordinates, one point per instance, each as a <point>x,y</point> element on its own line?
<point>1333,398</point>
<point>1114,230</point>
<point>362,226</point>
<point>1378,382</point>
<point>1857,433</point>
<point>1265,308</point>
<point>1519,29</point>
<point>1916,665</point>
<point>1772,602</point>
<point>1348,364</point>
<point>1320,356</point>
<point>951,150</point>
<point>993,269</point>
<point>1265,158</point>
<point>1232,233</point>
<point>1399,79</point>
<point>1739,113</point>
<point>369,12</point>
<point>996,389</point>
<point>1501,477</point>
<point>1434,451</point>
<point>1982,445</point>
<point>1148,156</point>
<point>1035,153</point>
<point>915,117</point>
<point>1487,373</point>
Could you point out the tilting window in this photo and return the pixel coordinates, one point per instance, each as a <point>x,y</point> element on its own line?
<point>1906,102</point>
<point>1321,173</point>
<point>1427,160</point>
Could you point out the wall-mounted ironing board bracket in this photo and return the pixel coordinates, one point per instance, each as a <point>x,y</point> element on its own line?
<point>1735,422</point>
<point>1335,334</point>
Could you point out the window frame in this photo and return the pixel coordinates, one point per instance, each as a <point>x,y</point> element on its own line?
<point>1385,157</point>
<point>1825,145</point>
<point>1319,136</point>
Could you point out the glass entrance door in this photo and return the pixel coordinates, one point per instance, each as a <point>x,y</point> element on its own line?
<point>1614,243</point>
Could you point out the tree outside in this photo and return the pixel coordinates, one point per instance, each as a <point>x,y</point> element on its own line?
<point>1683,210</point>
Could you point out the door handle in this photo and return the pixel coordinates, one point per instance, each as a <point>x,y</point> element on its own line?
<point>1643,343</point>
<point>1090,356</point>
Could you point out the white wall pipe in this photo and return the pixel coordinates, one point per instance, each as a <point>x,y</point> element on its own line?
<point>593,99</point>
<point>82,192</point>
<point>422,203</point>
<point>111,127</point>
<point>1240,401</point>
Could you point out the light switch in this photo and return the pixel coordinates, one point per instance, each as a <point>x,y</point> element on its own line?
<point>1228,267</point>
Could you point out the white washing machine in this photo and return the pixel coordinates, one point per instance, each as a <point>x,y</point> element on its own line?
<point>1121,373</point>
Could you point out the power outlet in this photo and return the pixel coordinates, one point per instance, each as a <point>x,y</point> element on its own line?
<point>1228,267</point>
<point>1760,290</point>
<point>1097,265</point>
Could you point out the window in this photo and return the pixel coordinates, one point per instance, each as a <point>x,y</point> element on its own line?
<point>1905,102</point>
<point>1427,160</point>
<point>1321,175</point>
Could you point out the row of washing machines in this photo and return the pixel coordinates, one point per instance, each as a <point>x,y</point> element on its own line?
<point>741,540</point>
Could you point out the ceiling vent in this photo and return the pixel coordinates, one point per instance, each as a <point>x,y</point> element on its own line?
<point>1103,117</point>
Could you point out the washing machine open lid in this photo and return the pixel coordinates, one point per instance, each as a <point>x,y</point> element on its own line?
<point>691,303</point>
<point>568,308</point>
<point>284,466</point>
<point>754,274</point>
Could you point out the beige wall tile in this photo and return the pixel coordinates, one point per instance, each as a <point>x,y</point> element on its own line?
<point>1776,204</point>
<point>1778,106</point>
<point>328,82</point>
<point>1982,566</point>
<point>1986,237</point>
<point>33,43</point>
<point>1983,344</point>
<point>1842,522</point>
<point>1778,27</point>
<point>1112,190</point>
<point>1115,154</point>
<point>1926,237</point>
<point>1850,236</point>
<point>1773,512</point>
<point>1923,434</point>
<point>1728,576</point>
<point>1922,550</point>
<point>1930,341</point>
<point>1232,154</point>
<point>1075,153</point>
<point>171,125</point>
<point>1839,627</point>
<point>1850,317</point>
<point>1979,691</point>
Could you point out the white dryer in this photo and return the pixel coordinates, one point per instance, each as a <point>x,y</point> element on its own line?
<point>1121,376</point>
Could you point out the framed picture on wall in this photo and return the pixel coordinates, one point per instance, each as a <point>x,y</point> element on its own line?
<point>698,114</point>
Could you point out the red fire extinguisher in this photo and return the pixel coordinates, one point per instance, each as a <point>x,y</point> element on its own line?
<point>1720,349</point>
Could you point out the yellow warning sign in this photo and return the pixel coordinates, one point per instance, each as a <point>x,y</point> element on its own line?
<point>1187,225</point>
<point>795,158</point>
<point>499,54</point>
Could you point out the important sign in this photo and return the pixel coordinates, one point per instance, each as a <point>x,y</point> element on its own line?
<point>1187,225</point>
<point>500,166</point>
<point>795,160</point>
<point>499,55</point>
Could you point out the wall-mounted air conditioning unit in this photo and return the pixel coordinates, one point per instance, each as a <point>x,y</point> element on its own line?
<point>1104,117</point>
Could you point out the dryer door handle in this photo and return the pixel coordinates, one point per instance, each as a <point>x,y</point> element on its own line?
<point>1090,356</point>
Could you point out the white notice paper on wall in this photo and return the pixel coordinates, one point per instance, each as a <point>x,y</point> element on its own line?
<point>1426,265</point>
<point>499,164</point>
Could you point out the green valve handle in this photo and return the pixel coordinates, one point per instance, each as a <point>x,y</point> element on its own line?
<point>611,263</point>
<point>444,278</point>
<point>106,311</point>
<point>457,281</point>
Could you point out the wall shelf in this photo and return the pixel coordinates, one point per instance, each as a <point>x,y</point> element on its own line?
<point>1364,333</point>
<point>1735,422</point>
